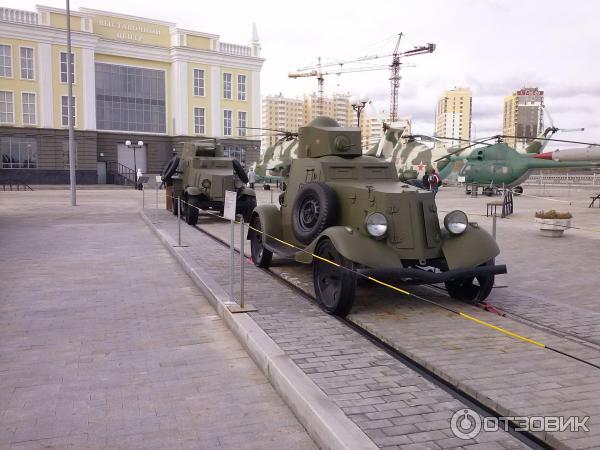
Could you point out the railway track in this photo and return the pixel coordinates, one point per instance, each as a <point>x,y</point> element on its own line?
<point>461,395</point>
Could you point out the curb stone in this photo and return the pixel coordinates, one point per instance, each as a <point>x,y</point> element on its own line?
<point>325,422</point>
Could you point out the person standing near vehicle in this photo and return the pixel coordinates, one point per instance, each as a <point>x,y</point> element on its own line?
<point>434,182</point>
<point>425,180</point>
<point>137,179</point>
<point>251,177</point>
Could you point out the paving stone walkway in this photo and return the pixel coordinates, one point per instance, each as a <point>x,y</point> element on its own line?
<point>395,406</point>
<point>106,343</point>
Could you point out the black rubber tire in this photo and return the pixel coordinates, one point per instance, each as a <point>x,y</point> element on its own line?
<point>488,191</point>
<point>174,205</point>
<point>191,210</point>
<point>267,187</point>
<point>315,208</point>
<point>245,206</point>
<point>239,171</point>
<point>261,257</point>
<point>170,169</point>
<point>465,290</point>
<point>517,190</point>
<point>335,287</point>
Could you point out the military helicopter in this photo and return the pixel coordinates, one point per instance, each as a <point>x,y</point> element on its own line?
<point>498,164</point>
<point>274,163</point>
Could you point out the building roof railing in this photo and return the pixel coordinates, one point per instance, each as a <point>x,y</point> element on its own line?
<point>234,49</point>
<point>18,16</point>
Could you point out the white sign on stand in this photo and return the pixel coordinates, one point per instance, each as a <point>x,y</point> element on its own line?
<point>229,209</point>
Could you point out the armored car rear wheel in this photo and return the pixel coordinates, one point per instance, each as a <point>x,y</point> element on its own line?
<point>261,257</point>
<point>315,209</point>
<point>471,290</point>
<point>335,286</point>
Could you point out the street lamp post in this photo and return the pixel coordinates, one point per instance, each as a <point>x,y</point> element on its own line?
<point>358,104</point>
<point>134,146</point>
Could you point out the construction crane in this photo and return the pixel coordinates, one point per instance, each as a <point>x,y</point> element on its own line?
<point>319,74</point>
<point>394,67</point>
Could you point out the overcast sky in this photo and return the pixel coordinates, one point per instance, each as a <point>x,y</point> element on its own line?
<point>494,47</point>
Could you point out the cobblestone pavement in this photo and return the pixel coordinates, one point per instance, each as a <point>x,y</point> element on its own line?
<point>392,404</point>
<point>106,343</point>
<point>505,374</point>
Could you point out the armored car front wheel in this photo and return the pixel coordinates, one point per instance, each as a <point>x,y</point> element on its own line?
<point>471,290</point>
<point>335,284</point>
<point>191,210</point>
<point>260,255</point>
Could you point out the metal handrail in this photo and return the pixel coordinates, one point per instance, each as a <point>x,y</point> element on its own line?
<point>116,170</point>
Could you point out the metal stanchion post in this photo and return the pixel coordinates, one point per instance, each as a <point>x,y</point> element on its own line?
<point>271,191</point>
<point>494,224</point>
<point>143,196</point>
<point>242,262</point>
<point>179,221</point>
<point>231,261</point>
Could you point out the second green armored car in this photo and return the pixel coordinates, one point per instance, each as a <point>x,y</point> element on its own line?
<point>351,217</point>
<point>200,178</point>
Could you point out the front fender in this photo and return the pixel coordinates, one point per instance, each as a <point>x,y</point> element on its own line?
<point>247,191</point>
<point>355,247</point>
<point>470,249</point>
<point>193,190</point>
<point>270,220</point>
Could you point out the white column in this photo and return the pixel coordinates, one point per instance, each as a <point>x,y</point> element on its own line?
<point>179,97</point>
<point>89,89</point>
<point>256,100</point>
<point>44,72</point>
<point>216,117</point>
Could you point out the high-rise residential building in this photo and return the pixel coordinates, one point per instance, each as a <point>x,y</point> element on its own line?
<point>281,113</point>
<point>337,106</point>
<point>289,114</point>
<point>523,116</point>
<point>453,114</point>
<point>371,130</point>
<point>135,79</point>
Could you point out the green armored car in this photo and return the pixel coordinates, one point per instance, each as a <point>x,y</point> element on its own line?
<point>200,178</point>
<point>351,210</point>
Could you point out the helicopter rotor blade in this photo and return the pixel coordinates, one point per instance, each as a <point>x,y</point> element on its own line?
<point>548,139</point>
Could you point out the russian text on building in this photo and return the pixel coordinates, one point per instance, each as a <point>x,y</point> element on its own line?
<point>134,79</point>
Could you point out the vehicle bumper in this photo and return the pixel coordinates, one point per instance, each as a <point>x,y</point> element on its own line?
<point>409,275</point>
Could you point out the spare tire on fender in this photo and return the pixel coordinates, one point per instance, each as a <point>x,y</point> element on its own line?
<point>239,171</point>
<point>315,208</point>
<point>170,169</point>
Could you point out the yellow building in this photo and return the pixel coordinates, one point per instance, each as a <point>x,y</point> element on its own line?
<point>523,116</point>
<point>337,106</point>
<point>134,78</point>
<point>453,114</point>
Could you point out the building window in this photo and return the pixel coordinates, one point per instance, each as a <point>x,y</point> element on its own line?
<point>64,103</point>
<point>26,63</point>
<point>235,152</point>
<point>7,107</point>
<point>18,152</point>
<point>28,101</point>
<point>130,99</point>
<point>199,82</point>
<point>63,67</point>
<point>199,121</point>
<point>227,123</point>
<point>227,85</point>
<point>241,87</point>
<point>5,61</point>
<point>241,123</point>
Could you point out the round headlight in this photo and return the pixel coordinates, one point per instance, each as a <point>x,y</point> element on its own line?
<point>456,222</point>
<point>206,183</point>
<point>376,225</point>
